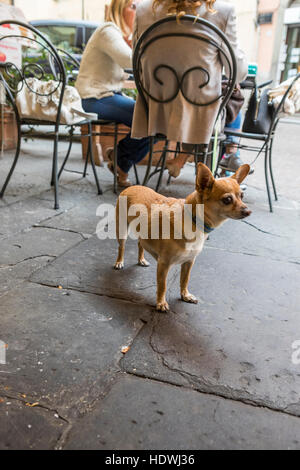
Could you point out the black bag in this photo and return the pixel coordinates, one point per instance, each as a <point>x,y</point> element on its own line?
<point>259,114</point>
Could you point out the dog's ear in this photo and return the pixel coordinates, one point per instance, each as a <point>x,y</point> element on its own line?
<point>204,179</point>
<point>241,173</point>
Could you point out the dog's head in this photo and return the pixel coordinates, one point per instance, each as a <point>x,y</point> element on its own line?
<point>223,197</point>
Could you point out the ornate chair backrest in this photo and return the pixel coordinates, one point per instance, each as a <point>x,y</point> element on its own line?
<point>34,57</point>
<point>197,78</point>
<point>71,65</point>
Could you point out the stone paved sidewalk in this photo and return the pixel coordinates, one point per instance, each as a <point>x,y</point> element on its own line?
<point>217,375</point>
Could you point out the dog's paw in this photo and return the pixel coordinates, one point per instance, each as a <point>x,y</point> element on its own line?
<point>162,307</point>
<point>119,265</point>
<point>143,263</point>
<point>189,298</point>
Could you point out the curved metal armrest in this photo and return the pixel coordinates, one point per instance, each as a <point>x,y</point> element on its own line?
<point>262,85</point>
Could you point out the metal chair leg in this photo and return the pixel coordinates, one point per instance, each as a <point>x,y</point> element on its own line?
<point>219,157</point>
<point>68,153</point>
<point>89,146</point>
<point>271,170</point>
<point>54,172</point>
<point>136,175</point>
<point>13,165</point>
<point>205,154</point>
<point>196,157</point>
<point>147,174</point>
<point>91,154</point>
<point>267,178</point>
<point>115,158</point>
<point>163,165</point>
<point>175,155</point>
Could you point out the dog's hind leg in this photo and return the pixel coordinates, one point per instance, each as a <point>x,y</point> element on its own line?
<point>142,261</point>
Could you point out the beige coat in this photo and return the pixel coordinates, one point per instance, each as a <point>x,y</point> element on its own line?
<point>103,62</point>
<point>179,120</point>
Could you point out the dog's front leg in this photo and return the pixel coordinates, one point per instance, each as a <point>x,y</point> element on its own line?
<point>184,281</point>
<point>162,273</point>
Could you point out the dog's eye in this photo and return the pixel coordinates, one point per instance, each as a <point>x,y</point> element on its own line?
<point>227,200</point>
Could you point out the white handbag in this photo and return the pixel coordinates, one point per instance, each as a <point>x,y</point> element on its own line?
<point>40,100</point>
<point>292,102</point>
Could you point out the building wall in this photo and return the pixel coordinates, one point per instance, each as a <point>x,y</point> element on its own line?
<point>63,9</point>
<point>261,44</point>
<point>94,10</point>
<point>247,30</point>
<point>270,38</point>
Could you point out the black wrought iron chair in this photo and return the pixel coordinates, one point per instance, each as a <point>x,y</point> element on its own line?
<point>206,33</point>
<point>267,141</point>
<point>73,66</point>
<point>115,134</point>
<point>38,59</point>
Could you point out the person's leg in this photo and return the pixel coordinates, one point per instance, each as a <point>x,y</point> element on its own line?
<point>236,125</point>
<point>175,166</point>
<point>231,160</point>
<point>120,108</point>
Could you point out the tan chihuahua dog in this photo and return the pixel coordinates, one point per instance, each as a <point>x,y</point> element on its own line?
<point>221,200</point>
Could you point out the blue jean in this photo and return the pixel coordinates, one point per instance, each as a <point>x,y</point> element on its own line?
<point>236,125</point>
<point>120,108</point>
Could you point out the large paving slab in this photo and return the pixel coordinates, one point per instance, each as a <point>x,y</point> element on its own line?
<point>89,267</point>
<point>237,342</point>
<point>28,428</point>
<point>13,276</point>
<point>35,243</point>
<point>82,217</point>
<point>142,414</point>
<point>23,214</point>
<point>33,171</point>
<point>63,347</point>
<point>262,234</point>
<point>23,253</point>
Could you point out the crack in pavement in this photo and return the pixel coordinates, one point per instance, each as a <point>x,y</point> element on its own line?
<point>5,266</point>
<point>39,405</point>
<point>109,296</point>
<point>85,236</point>
<point>245,253</point>
<point>261,230</point>
<point>202,385</point>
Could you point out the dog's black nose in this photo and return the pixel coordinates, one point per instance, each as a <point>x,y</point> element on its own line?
<point>246,212</point>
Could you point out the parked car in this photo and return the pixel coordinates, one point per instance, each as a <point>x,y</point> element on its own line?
<point>71,36</point>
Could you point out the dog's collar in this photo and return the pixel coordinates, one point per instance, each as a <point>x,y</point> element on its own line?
<point>200,224</point>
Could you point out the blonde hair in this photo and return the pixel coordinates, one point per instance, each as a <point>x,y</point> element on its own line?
<point>181,7</point>
<point>114,13</point>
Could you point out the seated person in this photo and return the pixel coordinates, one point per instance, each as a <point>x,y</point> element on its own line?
<point>179,120</point>
<point>101,79</point>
